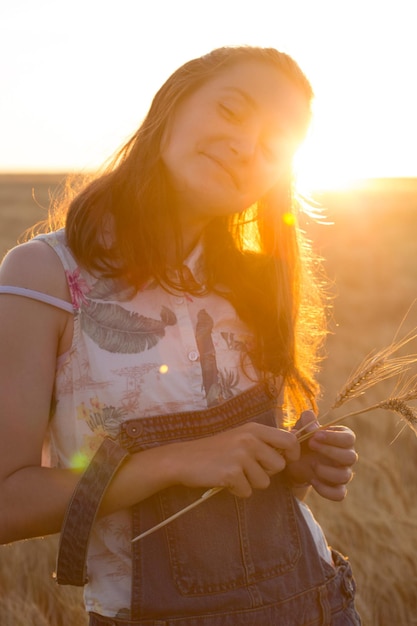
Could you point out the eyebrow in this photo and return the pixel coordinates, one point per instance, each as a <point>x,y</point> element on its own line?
<point>244,95</point>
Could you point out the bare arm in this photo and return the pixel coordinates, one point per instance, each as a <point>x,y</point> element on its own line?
<point>34,498</point>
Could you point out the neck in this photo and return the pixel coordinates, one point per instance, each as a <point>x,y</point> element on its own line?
<point>191,227</point>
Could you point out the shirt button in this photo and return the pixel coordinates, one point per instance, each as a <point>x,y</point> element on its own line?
<point>193,355</point>
<point>179,300</point>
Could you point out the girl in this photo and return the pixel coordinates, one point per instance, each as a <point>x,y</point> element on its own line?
<point>151,349</point>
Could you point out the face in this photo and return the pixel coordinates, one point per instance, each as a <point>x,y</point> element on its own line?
<point>230,141</point>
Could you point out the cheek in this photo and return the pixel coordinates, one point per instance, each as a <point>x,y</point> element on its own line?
<point>174,137</point>
<point>267,177</point>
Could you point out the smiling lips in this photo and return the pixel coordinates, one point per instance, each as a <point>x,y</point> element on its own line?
<point>226,168</point>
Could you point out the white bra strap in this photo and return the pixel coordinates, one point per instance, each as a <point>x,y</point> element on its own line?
<point>37,295</point>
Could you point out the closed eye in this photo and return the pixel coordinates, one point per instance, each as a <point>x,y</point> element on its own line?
<point>230,113</point>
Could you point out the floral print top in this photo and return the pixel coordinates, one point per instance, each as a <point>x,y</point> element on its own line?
<point>135,354</point>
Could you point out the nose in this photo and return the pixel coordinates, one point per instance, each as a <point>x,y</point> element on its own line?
<point>243,146</point>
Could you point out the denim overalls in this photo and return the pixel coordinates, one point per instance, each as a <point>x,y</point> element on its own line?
<point>230,561</point>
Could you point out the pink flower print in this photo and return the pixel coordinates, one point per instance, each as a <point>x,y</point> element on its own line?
<point>78,287</point>
<point>96,404</point>
<point>83,413</point>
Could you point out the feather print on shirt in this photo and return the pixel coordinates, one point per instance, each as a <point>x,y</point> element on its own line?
<point>208,361</point>
<point>115,329</point>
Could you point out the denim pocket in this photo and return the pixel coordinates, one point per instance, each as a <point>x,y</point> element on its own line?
<point>227,542</point>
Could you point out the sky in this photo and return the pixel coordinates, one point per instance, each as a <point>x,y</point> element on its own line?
<point>78,77</point>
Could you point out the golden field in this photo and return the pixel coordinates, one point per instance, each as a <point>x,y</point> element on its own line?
<point>370,246</point>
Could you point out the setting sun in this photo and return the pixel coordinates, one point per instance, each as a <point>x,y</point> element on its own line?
<point>337,152</point>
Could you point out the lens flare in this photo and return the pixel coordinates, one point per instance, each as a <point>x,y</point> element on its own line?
<point>79,461</point>
<point>288,219</point>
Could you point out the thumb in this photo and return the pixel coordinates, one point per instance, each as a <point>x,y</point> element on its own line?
<point>307,421</point>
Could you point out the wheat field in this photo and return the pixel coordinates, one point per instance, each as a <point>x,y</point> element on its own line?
<point>370,246</point>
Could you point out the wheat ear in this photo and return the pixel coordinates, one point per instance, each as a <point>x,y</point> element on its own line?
<point>376,368</point>
<point>397,404</point>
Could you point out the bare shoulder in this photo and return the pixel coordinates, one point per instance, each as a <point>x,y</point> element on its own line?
<point>32,334</point>
<point>35,265</point>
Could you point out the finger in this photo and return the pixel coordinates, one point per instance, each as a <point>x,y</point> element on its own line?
<point>307,417</point>
<point>283,442</point>
<point>257,476</point>
<point>338,457</point>
<point>306,423</point>
<point>290,451</point>
<point>254,437</point>
<point>238,484</point>
<point>335,493</point>
<point>253,477</point>
<point>272,460</point>
<point>333,445</point>
<point>332,455</point>
<point>333,476</point>
<point>334,438</point>
<point>254,441</point>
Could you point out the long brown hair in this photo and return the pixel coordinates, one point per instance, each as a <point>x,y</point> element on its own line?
<point>259,257</point>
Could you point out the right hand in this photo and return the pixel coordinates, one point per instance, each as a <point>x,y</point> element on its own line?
<point>240,459</point>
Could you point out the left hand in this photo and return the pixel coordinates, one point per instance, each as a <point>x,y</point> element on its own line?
<point>326,459</point>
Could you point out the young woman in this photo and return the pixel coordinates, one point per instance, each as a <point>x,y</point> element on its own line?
<point>151,349</point>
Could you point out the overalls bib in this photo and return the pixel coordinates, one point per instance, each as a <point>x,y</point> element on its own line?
<point>230,561</point>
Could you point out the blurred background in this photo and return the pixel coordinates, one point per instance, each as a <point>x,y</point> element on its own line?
<point>78,77</point>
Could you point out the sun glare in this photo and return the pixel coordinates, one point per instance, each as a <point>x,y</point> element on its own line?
<point>321,165</point>
<point>338,153</point>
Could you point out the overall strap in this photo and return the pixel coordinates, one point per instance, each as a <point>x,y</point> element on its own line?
<point>82,511</point>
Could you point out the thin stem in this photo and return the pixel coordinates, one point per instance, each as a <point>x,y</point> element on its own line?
<point>207,494</point>
<point>336,420</point>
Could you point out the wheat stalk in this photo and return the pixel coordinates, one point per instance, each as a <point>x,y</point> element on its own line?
<point>368,374</point>
<point>206,495</point>
<point>397,404</point>
<point>374,369</point>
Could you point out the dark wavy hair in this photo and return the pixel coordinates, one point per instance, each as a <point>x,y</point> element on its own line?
<point>259,257</point>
